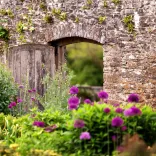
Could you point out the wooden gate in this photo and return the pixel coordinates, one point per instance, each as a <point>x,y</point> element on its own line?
<point>32,62</point>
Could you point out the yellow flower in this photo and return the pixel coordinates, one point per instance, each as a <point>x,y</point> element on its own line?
<point>14,146</point>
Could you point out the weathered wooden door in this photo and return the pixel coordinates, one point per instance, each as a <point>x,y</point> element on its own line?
<point>32,62</point>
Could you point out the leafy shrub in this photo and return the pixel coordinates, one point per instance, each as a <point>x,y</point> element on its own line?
<point>8,89</point>
<point>105,137</point>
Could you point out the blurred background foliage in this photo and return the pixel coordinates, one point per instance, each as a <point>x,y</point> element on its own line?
<point>86,60</point>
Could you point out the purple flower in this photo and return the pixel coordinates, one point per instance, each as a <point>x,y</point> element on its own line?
<point>19,100</point>
<point>30,91</point>
<point>114,137</point>
<point>117,122</point>
<point>33,90</point>
<point>72,106</point>
<point>106,110</point>
<point>21,86</point>
<point>103,95</point>
<point>135,110</point>
<point>128,112</point>
<point>85,136</point>
<point>123,128</point>
<point>133,98</point>
<point>79,123</point>
<point>119,110</point>
<point>12,104</point>
<point>73,101</point>
<point>32,98</point>
<point>74,90</point>
<point>132,111</point>
<point>39,124</point>
<point>88,101</point>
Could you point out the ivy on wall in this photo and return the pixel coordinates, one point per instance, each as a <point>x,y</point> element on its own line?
<point>4,33</point>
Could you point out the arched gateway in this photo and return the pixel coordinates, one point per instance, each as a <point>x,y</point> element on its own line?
<point>40,30</point>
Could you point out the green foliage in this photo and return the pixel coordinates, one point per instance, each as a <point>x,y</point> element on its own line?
<point>60,14</point>
<point>20,132</point>
<point>128,21</point>
<point>116,2</point>
<point>48,18</point>
<point>76,20</point>
<point>89,2</point>
<point>20,27</point>
<point>63,16</point>
<point>86,61</point>
<point>7,12</point>
<point>98,124</point>
<point>102,19</point>
<point>8,88</point>
<point>4,33</point>
<point>56,95</point>
<point>105,4</point>
<point>43,6</point>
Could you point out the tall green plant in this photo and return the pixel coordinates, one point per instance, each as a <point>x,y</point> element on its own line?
<point>8,88</point>
<point>57,88</point>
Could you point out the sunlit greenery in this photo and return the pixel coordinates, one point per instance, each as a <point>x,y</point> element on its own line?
<point>86,60</point>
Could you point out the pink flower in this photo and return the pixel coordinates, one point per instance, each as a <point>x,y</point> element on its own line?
<point>19,100</point>
<point>85,136</point>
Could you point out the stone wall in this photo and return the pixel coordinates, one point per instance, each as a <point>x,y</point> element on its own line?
<point>129,57</point>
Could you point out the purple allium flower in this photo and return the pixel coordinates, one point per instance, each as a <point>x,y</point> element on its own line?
<point>135,110</point>
<point>103,95</point>
<point>33,90</point>
<point>123,128</point>
<point>21,86</point>
<point>116,105</point>
<point>133,98</point>
<point>19,100</point>
<point>73,101</point>
<point>88,101</point>
<point>74,90</point>
<point>119,110</point>
<point>10,106</point>
<point>50,128</point>
<point>128,112</point>
<point>117,122</point>
<point>72,106</point>
<point>39,124</point>
<point>114,138</point>
<point>79,123</point>
<point>106,110</point>
<point>85,136</point>
<point>30,91</point>
<point>32,98</point>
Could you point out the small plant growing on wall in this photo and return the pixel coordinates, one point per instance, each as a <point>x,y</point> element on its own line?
<point>20,27</point>
<point>4,33</point>
<point>116,2</point>
<point>89,2</point>
<point>63,16</point>
<point>102,19</point>
<point>43,6</point>
<point>105,4</point>
<point>48,18</point>
<point>7,12</point>
<point>76,20</point>
<point>128,22</point>
<point>56,11</point>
